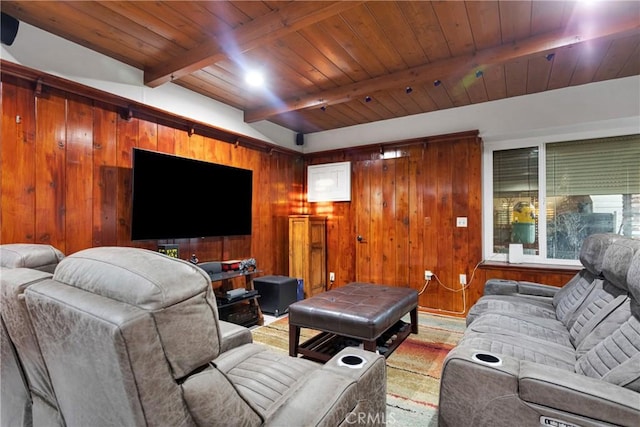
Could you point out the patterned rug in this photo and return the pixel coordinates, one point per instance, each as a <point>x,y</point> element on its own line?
<point>413,370</point>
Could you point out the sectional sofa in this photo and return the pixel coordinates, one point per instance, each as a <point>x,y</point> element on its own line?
<point>536,355</point>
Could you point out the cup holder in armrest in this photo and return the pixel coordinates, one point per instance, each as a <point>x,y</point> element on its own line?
<point>351,361</point>
<point>487,359</point>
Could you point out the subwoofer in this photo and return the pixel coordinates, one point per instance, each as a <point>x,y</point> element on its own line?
<point>276,293</point>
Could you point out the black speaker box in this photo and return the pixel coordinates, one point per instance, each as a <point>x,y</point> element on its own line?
<point>9,26</point>
<point>300,139</point>
<point>276,293</point>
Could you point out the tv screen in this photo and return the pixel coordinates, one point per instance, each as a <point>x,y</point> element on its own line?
<point>175,197</point>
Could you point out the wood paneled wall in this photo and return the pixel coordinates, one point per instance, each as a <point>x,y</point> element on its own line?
<point>405,201</point>
<point>66,178</point>
<point>65,171</point>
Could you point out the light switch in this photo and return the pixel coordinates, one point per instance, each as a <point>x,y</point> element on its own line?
<point>461,221</point>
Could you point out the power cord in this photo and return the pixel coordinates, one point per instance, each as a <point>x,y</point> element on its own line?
<point>462,289</point>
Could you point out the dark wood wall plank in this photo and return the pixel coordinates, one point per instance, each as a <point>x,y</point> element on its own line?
<point>105,178</point>
<point>79,175</point>
<point>51,140</point>
<point>17,210</point>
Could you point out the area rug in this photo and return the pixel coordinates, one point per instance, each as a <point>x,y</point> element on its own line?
<point>413,370</point>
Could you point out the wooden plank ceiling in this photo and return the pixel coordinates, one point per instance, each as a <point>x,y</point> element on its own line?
<point>333,64</point>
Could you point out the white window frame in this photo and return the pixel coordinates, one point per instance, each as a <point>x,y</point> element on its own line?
<point>487,187</point>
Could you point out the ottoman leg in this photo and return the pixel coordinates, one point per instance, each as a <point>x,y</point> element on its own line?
<point>414,321</point>
<point>294,337</point>
<point>370,346</point>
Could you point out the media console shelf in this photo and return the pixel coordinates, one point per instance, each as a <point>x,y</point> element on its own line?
<point>243,310</point>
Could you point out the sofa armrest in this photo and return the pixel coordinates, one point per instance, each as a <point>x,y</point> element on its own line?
<point>474,392</point>
<point>514,287</point>
<point>232,335</point>
<point>575,393</point>
<point>337,395</point>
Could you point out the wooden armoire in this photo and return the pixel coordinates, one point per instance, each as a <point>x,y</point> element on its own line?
<point>308,252</point>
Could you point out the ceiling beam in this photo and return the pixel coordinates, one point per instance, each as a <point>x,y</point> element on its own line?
<point>278,23</point>
<point>445,68</point>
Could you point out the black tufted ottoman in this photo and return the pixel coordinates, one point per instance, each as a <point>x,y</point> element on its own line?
<point>358,311</point>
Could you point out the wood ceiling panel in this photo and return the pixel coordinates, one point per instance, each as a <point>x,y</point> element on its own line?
<point>394,106</point>
<point>563,67</point>
<point>231,14</point>
<point>440,96</point>
<point>591,55</point>
<point>494,82</point>
<point>181,26</point>
<point>548,16</point>
<point>457,93</point>
<point>332,50</point>
<point>340,30</point>
<point>314,64</point>
<point>617,58</point>
<point>632,66</point>
<point>397,34</point>
<point>137,24</point>
<point>516,77</point>
<point>334,53</point>
<point>424,22</point>
<point>455,26</point>
<point>475,88</point>
<point>538,74</point>
<point>364,26</point>
<point>199,15</point>
<point>515,20</point>
<point>420,96</point>
<point>407,100</point>
<point>484,19</point>
<point>287,72</point>
<point>76,27</point>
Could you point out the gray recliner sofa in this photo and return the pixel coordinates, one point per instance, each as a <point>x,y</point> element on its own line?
<point>27,396</point>
<point>131,337</point>
<point>572,360</point>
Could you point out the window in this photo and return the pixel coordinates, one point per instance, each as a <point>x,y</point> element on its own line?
<point>550,196</point>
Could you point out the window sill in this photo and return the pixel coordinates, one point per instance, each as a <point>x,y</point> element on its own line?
<point>502,265</point>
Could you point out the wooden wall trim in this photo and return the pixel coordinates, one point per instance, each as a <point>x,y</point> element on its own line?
<point>377,148</point>
<point>131,109</point>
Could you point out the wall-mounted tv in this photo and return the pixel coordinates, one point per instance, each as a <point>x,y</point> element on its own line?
<point>176,197</point>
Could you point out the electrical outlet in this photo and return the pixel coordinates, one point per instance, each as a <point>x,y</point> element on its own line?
<point>428,274</point>
<point>332,276</point>
<point>463,279</point>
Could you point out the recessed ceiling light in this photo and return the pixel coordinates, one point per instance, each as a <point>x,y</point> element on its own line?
<point>254,78</point>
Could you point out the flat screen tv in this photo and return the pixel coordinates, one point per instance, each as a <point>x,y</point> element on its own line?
<point>175,197</point>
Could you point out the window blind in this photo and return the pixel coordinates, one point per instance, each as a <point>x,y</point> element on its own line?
<point>515,171</point>
<point>594,167</point>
